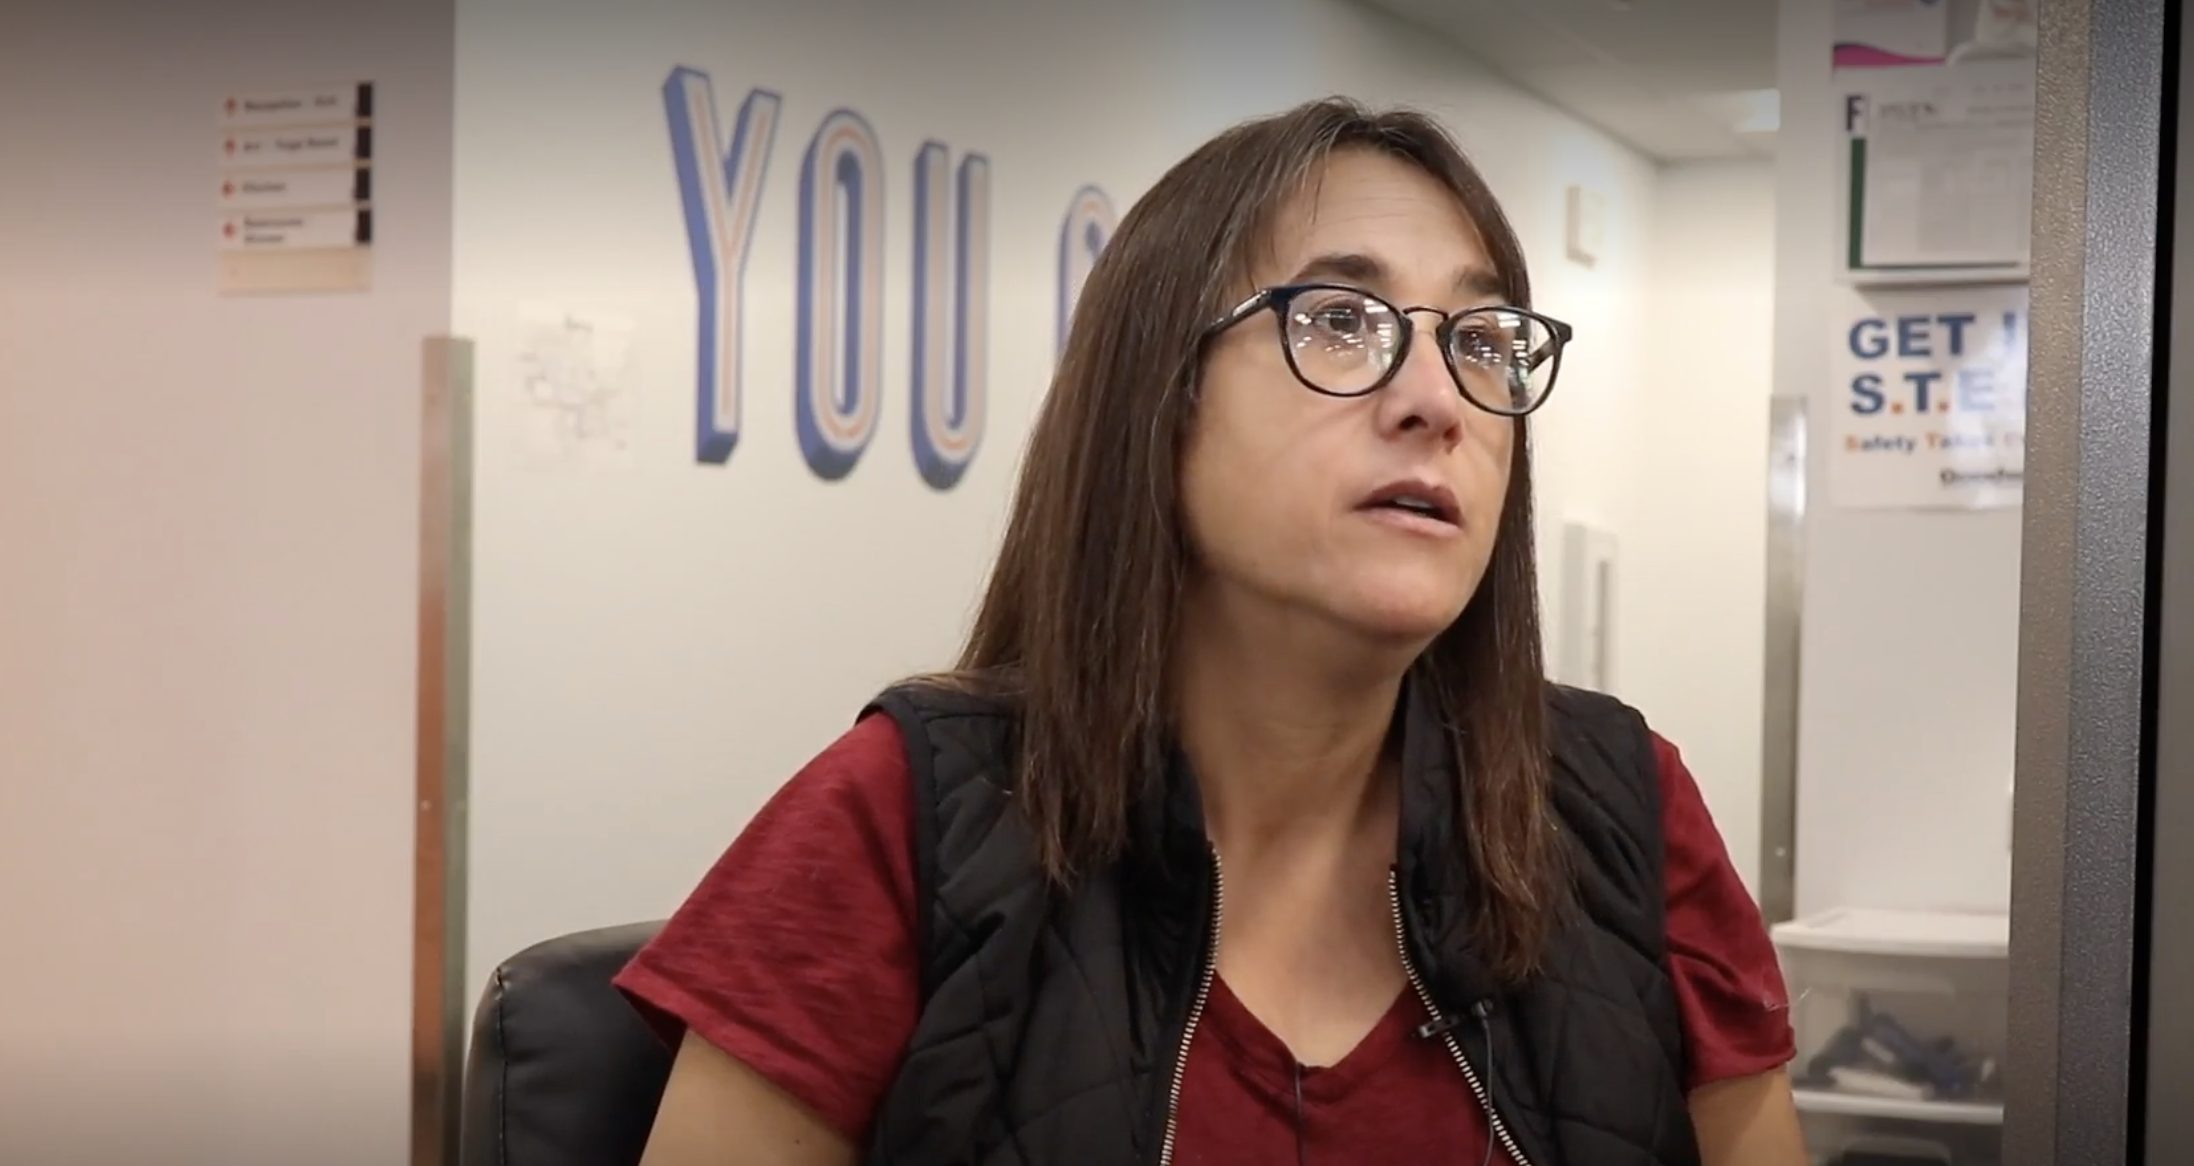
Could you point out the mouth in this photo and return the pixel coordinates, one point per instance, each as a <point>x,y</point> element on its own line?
<point>1422,500</point>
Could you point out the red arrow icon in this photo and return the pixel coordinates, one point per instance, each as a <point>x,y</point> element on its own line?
<point>228,189</point>
<point>228,229</point>
<point>229,145</point>
<point>232,105</point>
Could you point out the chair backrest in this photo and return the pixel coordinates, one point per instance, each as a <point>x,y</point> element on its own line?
<point>562,1071</point>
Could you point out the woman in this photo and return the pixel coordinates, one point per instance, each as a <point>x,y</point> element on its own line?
<point>1248,830</point>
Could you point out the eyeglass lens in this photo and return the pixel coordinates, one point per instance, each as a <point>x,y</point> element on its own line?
<point>1343,342</point>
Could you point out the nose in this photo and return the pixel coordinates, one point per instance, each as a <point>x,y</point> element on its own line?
<point>1422,397</point>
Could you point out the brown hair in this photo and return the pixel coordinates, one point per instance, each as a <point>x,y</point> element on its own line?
<point>1078,621</point>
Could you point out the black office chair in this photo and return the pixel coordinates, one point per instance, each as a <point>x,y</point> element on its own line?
<point>562,1071</point>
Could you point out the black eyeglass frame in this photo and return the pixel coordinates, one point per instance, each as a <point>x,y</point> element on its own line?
<point>1280,297</point>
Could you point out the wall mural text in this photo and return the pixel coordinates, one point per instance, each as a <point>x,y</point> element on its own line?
<point>838,343</point>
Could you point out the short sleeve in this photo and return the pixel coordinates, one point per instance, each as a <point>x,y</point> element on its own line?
<point>1736,1009</point>
<point>797,953</point>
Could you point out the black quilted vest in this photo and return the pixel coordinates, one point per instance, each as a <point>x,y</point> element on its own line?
<point>1053,1024</point>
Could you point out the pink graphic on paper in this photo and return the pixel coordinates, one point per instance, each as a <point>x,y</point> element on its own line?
<point>1858,56</point>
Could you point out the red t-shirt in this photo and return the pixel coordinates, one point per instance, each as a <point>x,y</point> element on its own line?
<point>797,955</point>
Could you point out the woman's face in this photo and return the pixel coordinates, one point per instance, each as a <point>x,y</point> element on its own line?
<point>1316,504</point>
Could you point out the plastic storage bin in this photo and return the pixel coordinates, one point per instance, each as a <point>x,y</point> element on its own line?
<point>1900,1020</point>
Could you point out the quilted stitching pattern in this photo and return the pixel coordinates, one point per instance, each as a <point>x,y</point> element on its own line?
<point>1008,1067</point>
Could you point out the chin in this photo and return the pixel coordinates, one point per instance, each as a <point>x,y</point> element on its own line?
<point>1402,616</point>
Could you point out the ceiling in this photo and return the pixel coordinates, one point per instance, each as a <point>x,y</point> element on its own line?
<point>1680,80</point>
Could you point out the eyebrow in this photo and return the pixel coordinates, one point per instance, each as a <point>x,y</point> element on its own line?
<point>1354,267</point>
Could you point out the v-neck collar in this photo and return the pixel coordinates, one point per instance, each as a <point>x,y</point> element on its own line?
<point>1261,1056</point>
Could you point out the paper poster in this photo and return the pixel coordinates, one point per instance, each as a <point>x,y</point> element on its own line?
<point>2001,28</point>
<point>1873,34</point>
<point>1940,166</point>
<point>574,389</point>
<point>1927,406</point>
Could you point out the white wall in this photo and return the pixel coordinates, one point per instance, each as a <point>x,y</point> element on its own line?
<point>208,512</point>
<point>659,643</point>
<point>1909,648</point>
<point>1693,630</point>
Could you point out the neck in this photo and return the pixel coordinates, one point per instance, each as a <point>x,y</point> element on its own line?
<point>1286,722</point>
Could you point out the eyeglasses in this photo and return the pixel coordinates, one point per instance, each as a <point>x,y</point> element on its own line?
<point>1346,342</point>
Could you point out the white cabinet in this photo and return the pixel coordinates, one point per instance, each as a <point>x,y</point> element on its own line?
<point>1900,1019</point>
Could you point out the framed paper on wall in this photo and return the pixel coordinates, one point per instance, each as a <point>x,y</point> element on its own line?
<point>1935,163</point>
<point>1937,171</point>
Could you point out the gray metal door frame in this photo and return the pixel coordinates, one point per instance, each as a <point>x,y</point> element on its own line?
<point>2077,932</point>
<point>2164,1010</point>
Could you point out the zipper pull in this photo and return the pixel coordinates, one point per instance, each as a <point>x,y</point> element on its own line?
<point>1438,1026</point>
<point>1442,1025</point>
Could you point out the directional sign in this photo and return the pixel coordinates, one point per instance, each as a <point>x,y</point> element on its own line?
<point>261,189</point>
<point>295,230</point>
<point>293,183</point>
<point>328,104</point>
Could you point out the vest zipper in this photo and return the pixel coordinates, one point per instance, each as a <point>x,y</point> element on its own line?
<point>1494,1124</point>
<point>1195,1011</point>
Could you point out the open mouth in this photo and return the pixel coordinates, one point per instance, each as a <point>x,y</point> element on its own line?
<point>1422,499</point>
